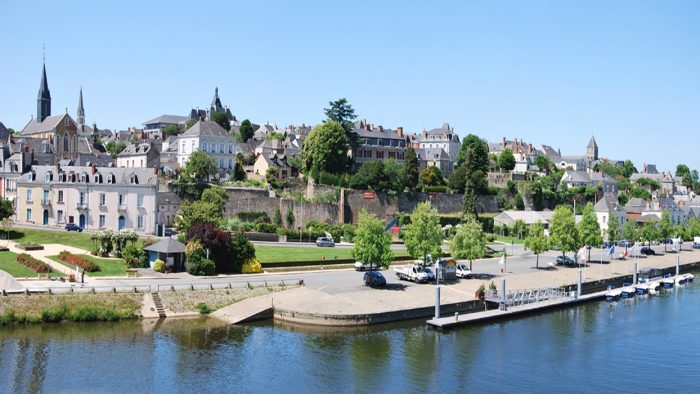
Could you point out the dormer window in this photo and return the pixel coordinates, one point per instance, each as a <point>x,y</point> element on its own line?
<point>98,178</point>
<point>48,177</point>
<point>83,178</point>
<point>110,178</point>
<point>133,179</point>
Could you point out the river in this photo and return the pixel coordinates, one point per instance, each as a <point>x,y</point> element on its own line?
<point>646,344</point>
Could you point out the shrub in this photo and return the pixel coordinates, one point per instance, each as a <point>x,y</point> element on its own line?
<point>135,257</point>
<point>196,265</point>
<point>266,228</point>
<point>148,242</point>
<point>329,179</point>
<point>70,258</point>
<point>253,216</point>
<point>204,308</point>
<point>159,266</point>
<point>33,264</point>
<point>435,189</point>
<point>251,266</point>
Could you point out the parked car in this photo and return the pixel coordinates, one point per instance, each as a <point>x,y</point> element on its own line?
<point>565,260</point>
<point>374,279</point>
<point>647,251</point>
<point>73,227</point>
<point>463,271</point>
<point>360,266</point>
<point>608,245</point>
<point>626,244</point>
<point>325,241</point>
<point>696,245</point>
<point>168,232</point>
<point>429,272</point>
<point>667,241</point>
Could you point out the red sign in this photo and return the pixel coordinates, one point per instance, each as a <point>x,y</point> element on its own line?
<point>369,195</point>
<point>395,229</point>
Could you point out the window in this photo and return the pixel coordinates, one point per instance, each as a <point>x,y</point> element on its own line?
<point>102,199</point>
<point>221,148</point>
<point>29,214</point>
<point>82,198</point>
<point>121,199</point>
<point>230,164</point>
<point>83,177</point>
<point>380,154</point>
<point>133,179</point>
<point>102,220</point>
<point>66,144</point>
<point>221,163</point>
<point>139,221</point>
<point>98,178</point>
<point>205,147</point>
<point>47,177</point>
<point>59,216</point>
<point>230,148</point>
<point>139,200</point>
<point>60,196</point>
<point>46,197</point>
<point>29,195</point>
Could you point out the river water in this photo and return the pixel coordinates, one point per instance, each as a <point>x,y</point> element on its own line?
<point>647,344</point>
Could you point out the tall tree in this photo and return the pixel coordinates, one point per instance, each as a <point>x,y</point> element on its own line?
<point>563,229</point>
<point>199,167</point>
<point>246,131</point>
<point>506,160</point>
<point>629,230</point>
<point>665,226</point>
<point>424,235</point>
<point>431,176</point>
<point>589,229</point>
<point>223,119</point>
<point>372,242</point>
<point>115,147</point>
<point>537,241</point>
<point>341,112</point>
<point>411,168</point>
<point>682,170</point>
<point>325,149</point>
<point>171,129</point>
<point>648,232</point>
<point>613,227</point>
<point>217,196</point>
<point>469,242</point>
<point>471,166</point>
<point>6,209</point>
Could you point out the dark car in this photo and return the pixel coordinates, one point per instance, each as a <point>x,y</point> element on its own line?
<point>647,251</point>
<point>73,227</point>
<point>565,260</point>
<point>626,244</point>
<point>608,245</point>
<point>374,279</point>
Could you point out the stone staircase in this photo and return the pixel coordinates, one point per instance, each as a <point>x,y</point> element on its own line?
<point>159,305</point>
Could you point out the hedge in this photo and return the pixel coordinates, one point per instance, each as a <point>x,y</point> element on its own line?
<point>253,216</point>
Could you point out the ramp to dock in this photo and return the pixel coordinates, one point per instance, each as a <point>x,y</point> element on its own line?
<point>9,284</point>
<point>445,323</point>
<point>251,309</point>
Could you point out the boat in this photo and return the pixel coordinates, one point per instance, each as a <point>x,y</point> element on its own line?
<point>684,278</point>
<point>627,292</point>
<point>613,294</point>
<point>668,283</point>
<point>642,288</point>
<point>690,277</point>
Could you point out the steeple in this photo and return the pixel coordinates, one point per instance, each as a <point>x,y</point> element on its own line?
<point>216,102</point>
<point>592,150</point>
<point>43,102</point>
<point>81,110</point>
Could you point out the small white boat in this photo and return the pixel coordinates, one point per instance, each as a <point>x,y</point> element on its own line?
<point>613,294</point>
<point>668,283</point>
<point>642,288</point>
<point>627,292</point>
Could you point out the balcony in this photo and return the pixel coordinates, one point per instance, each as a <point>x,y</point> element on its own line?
<point>45,202</point>
<point>82,206</point>
<point>122,207</point>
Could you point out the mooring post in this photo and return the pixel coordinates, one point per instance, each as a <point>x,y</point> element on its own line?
<point>580,281</point>
<point>503,294</point>
<point>634,278</point>
<point>437,302</point>
<point>678,264</point>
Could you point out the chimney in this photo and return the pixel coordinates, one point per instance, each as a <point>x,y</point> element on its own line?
<point>155,170</point>
<point>32,155</point>
<point>26,148</point>
<point>381,129</point>
<point>504,142</point>
<point>529,149</point>
<point>399,131</point>
<point>58,167</point>
<point>94,169</point>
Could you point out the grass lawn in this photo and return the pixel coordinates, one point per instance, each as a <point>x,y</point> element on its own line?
<point>9,264</point>
<point>108,267</point>
<point>68,238</point>
<point>275,254</point>
<point>508,240</point>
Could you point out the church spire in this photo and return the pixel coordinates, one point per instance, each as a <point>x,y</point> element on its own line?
<point>81,110</point>
<point>43,102</point>
<point>216,102</point>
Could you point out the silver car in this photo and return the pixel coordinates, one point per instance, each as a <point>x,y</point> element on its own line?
<point>325,241</point>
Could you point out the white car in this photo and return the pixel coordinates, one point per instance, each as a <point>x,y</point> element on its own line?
<point>360,266</point>
<point>463,271</point>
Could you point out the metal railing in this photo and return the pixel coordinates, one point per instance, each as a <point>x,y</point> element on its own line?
<point>528,296</point>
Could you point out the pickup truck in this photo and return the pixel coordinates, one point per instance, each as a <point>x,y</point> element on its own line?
<point>414,274</point>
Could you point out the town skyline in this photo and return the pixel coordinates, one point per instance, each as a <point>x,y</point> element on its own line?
<point>542,100</point>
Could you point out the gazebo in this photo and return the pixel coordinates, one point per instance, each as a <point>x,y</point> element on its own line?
<point>169,250</point>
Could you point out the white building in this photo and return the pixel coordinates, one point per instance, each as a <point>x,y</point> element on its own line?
<point>604,209</point>
<point>211,138</point>
<point>444,138</point>
<point>95,198</point>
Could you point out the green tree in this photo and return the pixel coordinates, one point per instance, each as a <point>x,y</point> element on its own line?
<point>563,229</point>
<point>506,160</point>
<point>469,242</point>
<point>474,154</point>
<point>411,168</point>
<point>648,232</point>
<point>290,219</point>
<point>217,196</point>
<point>613,227</point>
<point>519,203</point>
<point>543,163</point>
<point>341,112</point>
<point>589,229</point>
<point>458,179</point>
<point>372,242</point>
<point>6,209</point>
<point>682,170</point>
<point>115,147</point>
<point>325,149</point>
<point>199,167</point>
<point>197,211</point>
<point>223,119</point>
<point>239,172</point>
<point>369,176</point>
<point>665,226</point>
<point>170,129</point>
<point>246,131</point>
<point>277,218</point>
<point>190,122</point>
<point>431,176</point>
<point>629,230</point>
<point>424,235</point>
<point>271,178</point>
<point>519,229</point>
<point>537,241</point>
<point>470,202</point>
<point>395,174</point>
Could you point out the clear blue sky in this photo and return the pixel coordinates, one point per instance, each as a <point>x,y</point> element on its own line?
<point>550,72</point>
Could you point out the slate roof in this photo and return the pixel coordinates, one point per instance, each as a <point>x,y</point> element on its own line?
<point>206,128</point>
<point>168,245</point>
<point>608,204</point>
<point>432,154</point>
<point>145,176</point>
<point>49,124</point>
<point>3,133</point>
<point>168,198</point>
<point>170,119</point>
<point>136,150</point>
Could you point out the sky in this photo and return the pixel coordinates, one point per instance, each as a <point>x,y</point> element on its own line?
<point>547,72</point>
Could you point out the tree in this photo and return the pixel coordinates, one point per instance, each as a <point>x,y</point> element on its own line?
<point>395,174</point>
<point>325,149</point>
<point>239,172</point>
<point>431,176</point>
<point>369,176</point>
<point>170,129</point>
<point>506,160</point>
<point>665,226</point>
<point>241,250</point>
<point>277,218</point>
<point>246,131</point>
<point>682,170</point>
<point>199,167</point>
<point>458,179</point>
<point>271,178</point>
<point>410,161</point>
<point>470,201</point>
<point>648,232</point>
<point>519,203</point>
<point>563,229</point>
<point>613,227</point>
<point>372,242</point>
<point>290,219</point>
<point>536,241</point>
<point>341,112</point>
<point>629,230</point>
<point>469,242</point>
<point>589,229</point>
<point>217,196</point>
<point>115,147</point>
<point>222,118</point>
<point>197,211</point>
<point>424,235</point>
<point>543,163</point>
<point>6,209</point>
<point>519,229</point>
<point>190,122</point>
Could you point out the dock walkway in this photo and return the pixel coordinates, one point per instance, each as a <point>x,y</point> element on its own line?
<point>445,323</point>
